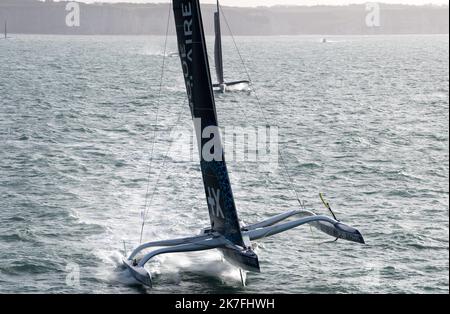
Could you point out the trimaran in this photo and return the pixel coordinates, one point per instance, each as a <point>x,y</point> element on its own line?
<point>225,232</point>
<point>218,56</point>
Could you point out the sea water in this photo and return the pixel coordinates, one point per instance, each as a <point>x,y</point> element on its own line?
<point>362,119</point>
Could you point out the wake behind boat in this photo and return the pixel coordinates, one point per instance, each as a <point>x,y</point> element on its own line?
<point>225,232</point>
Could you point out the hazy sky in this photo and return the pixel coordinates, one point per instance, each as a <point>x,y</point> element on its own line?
<point>291,2</point>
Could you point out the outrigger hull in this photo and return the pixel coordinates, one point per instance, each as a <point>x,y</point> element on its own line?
<point>229,85</point>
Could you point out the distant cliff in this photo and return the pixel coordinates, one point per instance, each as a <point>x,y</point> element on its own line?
<point>36,17</point>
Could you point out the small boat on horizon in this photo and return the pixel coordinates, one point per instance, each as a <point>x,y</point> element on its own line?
<point>6,30</point>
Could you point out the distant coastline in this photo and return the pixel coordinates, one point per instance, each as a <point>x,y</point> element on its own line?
<point>36,17</point>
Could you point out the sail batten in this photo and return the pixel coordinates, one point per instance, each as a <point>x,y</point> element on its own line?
<point>199,87</point>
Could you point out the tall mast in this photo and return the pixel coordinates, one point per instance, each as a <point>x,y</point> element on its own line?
<point>218,57</point>
<point>199,87</point>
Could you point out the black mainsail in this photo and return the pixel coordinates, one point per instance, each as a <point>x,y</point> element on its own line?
<point>194,61</point>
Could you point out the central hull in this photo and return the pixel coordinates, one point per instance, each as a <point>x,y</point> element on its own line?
<point>243,259</point>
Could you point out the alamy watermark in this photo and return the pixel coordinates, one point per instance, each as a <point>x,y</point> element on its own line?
<point>373,17</point>
<point>251,144</point>
<point>73,275</point>
<point>372,276</point>
<point>73,15</point>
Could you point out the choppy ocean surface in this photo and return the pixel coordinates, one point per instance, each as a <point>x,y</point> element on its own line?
<point>362,119</point>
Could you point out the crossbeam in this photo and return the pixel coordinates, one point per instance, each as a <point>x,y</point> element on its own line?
<point>264,229</point>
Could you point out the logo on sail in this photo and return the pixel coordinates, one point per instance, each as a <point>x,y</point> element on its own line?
<point>214,203</point>
<point>186,49</point>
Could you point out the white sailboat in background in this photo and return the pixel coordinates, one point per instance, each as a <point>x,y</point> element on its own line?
<point>218,56</point>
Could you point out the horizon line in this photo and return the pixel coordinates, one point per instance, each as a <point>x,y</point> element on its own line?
<point>94,2</point>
